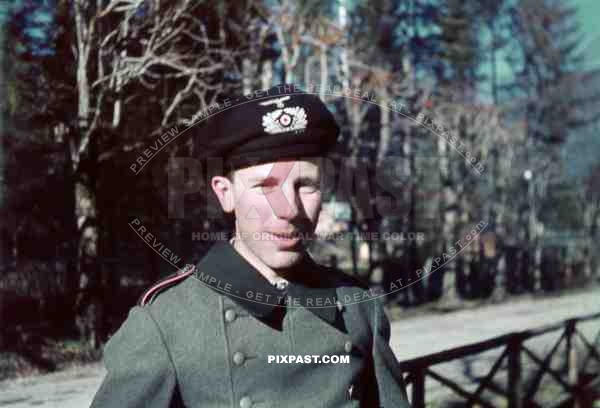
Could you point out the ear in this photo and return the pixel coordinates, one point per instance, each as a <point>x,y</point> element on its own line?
<point>223,189</point>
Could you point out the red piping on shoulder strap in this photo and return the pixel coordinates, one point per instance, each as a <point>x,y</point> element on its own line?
<point>184,273</point>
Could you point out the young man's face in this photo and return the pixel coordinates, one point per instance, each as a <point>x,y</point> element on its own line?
<point>276,207</point>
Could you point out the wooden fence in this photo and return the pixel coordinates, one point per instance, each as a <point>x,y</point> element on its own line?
<point>578,382</point>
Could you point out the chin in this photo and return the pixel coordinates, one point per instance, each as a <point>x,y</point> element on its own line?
<point>282,260</point>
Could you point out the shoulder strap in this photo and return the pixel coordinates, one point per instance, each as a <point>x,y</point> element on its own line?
<point>162,284</point>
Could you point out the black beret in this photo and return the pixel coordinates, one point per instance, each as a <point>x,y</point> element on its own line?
<point>265,126</point>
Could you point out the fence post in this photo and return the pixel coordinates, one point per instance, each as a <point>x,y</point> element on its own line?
<point>418,391</point>
<point>572,371</point>
<point>515,384</point>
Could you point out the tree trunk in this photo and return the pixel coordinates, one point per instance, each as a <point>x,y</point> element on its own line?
<point>84,186</point>
<point>247,76</point>
<point>266,77</point>
<point>323,69</point>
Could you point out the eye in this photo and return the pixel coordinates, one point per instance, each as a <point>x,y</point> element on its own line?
<point>268,189</point>
<point>309,187</point>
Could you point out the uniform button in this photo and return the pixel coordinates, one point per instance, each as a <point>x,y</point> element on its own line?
<point>245,402</point>
<point>238,358</point>
<point>348,346</point>
<point>230,315</point>
<point>340,307</point>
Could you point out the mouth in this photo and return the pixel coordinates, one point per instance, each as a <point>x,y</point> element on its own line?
<point>285,239</point>
<point>285,235</point>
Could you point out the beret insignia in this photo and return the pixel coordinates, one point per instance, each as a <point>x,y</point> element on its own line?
<point>285,120</point>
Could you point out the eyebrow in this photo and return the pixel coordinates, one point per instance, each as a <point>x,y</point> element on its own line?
<point>261,179</point>
<point>271,179</point>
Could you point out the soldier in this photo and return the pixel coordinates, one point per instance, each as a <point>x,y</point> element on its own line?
<point>256,322</point>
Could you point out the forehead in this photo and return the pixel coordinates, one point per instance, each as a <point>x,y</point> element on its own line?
<point>283,169</point>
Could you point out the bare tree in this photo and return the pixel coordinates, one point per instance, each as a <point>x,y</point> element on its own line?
<point>125,49</point>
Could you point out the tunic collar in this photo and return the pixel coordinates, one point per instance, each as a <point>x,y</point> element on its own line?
<point>229,273</point>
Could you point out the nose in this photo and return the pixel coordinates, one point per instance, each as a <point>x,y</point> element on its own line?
<point>286,202</point>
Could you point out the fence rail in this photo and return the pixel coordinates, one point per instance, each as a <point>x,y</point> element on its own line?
<point>574,378</point>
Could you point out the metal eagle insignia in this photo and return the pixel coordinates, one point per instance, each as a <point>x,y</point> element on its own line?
<point>283,119</point>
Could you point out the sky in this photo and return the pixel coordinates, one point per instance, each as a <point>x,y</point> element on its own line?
<point>589,14</point>
<point>583,149</point>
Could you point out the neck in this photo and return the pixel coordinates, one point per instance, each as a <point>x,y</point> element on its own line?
<point>272,275</point>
